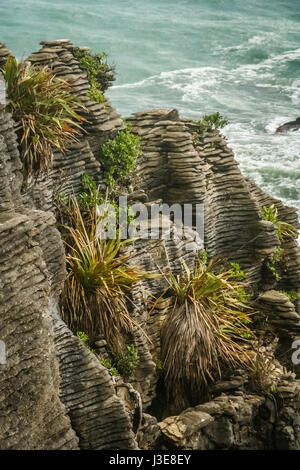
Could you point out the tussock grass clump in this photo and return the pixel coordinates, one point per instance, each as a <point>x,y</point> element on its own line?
<point>263,374</point>
<point>207,328</point>
<point>96,293</point>
<point>45,111</point>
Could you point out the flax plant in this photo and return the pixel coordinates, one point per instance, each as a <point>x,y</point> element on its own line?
<point>283,229</point>
<point>96,295</point>
<point>45,111</point>
<point>207,328</point>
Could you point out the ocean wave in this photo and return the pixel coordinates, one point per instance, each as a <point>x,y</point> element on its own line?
<point>272,160</point>
<point>272,61</point>
<point>140,83</point>
<point>228,89</point>
<point>260,39</point>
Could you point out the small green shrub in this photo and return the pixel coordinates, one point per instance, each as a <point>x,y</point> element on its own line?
<point>127,361</point>
<point>114,372</point>
<point>94,93</point>
<point>283,230</point>
<point>196,138</point>
<point>159,368</point>
<point>107,364</point>
<point>119,156</point>
<point>88,200</point>
<point>100,73</point>
<point>91,197</point>
<point>273,262</point>
<point>242,297</point>
<point>274,271</point>
<point>62,199</point>
<point>237,273</point>
<point>292,295</point>
<point>85,340</point>
<point>83,337</point>
<point>203,256</point>
<point>211,121</point>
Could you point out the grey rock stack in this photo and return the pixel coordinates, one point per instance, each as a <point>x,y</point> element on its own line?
<point>54,394</point>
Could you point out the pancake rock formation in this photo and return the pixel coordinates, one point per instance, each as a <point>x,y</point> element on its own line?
<point>54,393</point>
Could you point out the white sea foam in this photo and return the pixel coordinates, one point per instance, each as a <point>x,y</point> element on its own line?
<point>272,160</point>
<point>261,39</point>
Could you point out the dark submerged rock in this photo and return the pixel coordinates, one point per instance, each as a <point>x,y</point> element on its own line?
<point>289,126</point>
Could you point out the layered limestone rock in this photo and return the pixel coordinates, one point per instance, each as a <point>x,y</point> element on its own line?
<point>102,123</point>
<point>69,399</point>
<point>170,162</point>
<point>4,53</point>
<point>180,166</point>
<point>237,422</point>
<point>31,413</point>
<point>97,415</point>
<point>54,394</point>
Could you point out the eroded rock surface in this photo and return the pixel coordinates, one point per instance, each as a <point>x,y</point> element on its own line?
<point>54,394</point>
<point>243,422</point>
<point>62,397</point>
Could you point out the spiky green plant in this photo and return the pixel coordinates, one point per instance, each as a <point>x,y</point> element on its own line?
<point>262,373</point>
<point>107,363</point>
<point>206,329</point>
<point>97,289</point>
<point>45,111</point>
<point>90,196</point>
<point>283,229</point>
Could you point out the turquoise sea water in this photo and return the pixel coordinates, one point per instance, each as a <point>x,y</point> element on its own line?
<point>239,57</point>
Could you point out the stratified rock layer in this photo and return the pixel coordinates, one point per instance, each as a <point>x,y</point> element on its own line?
<point>62,397</point>
<point>54,394</point>
<point>239,422</point>
<point>181,166</point>
<point>102,123</point>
